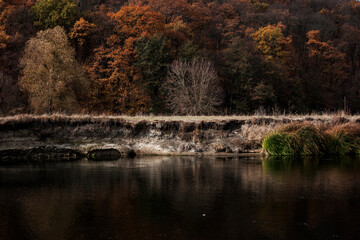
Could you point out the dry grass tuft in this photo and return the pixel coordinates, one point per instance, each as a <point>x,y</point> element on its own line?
<point>294,126</point>
<point>351,129</point>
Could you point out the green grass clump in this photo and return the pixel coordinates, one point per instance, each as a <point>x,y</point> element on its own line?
<point>343,139</point>
<point>279,143</point>
<point>339,144</point>
<point>294,140</point>
<point>311,141</point>
<point>302,139</point>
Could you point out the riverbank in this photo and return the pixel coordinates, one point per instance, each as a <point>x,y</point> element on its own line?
<point>173,135</point>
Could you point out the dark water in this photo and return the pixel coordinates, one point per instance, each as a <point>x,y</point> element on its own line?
<point>182,198</point>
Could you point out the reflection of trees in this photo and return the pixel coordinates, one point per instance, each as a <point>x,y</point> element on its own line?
<point>148,197</point>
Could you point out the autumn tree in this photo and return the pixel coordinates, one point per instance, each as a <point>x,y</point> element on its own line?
<point>16,28</point>
<point>15,23</point>
<point>180,27</point>
<point>179,33</point>
<point>327,67</point>
<point>51,13</point>
<point>81,34</point>
<point>105,24</point>
<point>115,76</point>
<point>115,83</point>
<point>4,38</point>
<point>271,42</point>
<point>51,76</point>
<point>192,88</point>
<point>135,21</point>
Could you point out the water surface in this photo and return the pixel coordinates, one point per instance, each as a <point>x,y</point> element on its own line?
<point>182,198</point>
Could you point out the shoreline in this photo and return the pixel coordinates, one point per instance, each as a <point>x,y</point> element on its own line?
<point>157,136</point>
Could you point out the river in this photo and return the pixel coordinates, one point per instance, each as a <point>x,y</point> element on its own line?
<point>182,198</point>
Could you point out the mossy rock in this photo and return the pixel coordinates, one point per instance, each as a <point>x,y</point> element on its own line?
<point>104,155</point>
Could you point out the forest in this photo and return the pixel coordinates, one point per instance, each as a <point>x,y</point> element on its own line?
<point>184,57</point>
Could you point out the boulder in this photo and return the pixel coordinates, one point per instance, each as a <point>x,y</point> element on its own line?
<point>110,154</point>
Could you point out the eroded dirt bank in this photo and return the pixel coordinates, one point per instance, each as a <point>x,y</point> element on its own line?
<point>144,137</point>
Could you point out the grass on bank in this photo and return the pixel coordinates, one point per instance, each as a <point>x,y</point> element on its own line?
<point>304,139</point>
<point>325,116</point>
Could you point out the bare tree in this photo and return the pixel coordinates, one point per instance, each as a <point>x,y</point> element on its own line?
<point>192,88</point>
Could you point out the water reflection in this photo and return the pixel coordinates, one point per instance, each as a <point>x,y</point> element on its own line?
<point>182,198</point>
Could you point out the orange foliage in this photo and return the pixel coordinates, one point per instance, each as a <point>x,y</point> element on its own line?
<point>355,6</point>
<point>116,82</point>
<point>15,29</point>
<point>328,66</point>
<point>138,21</point>
<point>178,31</point>
<point>4,38</point>
<point>320,49</point>
<point>81,31</point>
<point>272,43</point>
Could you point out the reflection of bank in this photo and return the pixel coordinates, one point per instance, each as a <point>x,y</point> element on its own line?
<point>337,175</point>
<point>307,198</point>
<point>308,164</point>
<point>210,174</point>
<point>242,198</point>
<point>285,164</point>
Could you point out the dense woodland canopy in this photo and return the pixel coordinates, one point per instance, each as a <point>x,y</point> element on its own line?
<point>118,56</point>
